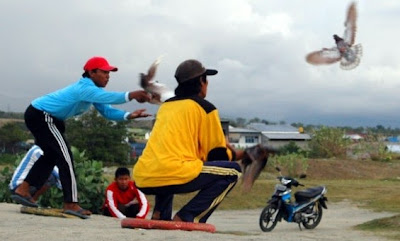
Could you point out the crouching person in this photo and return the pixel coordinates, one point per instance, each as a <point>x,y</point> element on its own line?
<point>187,151</point>
<point>123,199</point>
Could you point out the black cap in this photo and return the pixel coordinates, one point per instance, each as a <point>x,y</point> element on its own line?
<point>190,69</point>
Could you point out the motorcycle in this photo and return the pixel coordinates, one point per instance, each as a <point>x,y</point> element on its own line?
<point>305,210</point>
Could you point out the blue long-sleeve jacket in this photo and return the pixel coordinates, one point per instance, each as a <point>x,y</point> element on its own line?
<point>77,98</point>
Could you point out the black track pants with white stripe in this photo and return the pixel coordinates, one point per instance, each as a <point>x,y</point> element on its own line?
<point>49,136</point>
<point>215,181</point>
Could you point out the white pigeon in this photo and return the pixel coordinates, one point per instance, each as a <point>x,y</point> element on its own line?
<point>345,51</point>
<point>159,92</point>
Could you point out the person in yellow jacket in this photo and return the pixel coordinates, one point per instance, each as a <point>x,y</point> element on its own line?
<point>187,151</point>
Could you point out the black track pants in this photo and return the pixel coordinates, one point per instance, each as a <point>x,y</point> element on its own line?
<point>49,136</point>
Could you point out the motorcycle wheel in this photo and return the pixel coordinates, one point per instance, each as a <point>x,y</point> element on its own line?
<point>313,221</point>
<point>268,218</point>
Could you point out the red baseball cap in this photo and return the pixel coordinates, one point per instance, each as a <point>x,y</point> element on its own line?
<point>99,63</point>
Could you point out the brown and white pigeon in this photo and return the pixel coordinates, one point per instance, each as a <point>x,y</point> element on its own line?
<point>159,92</point>
<point>345,51</point>
<point>254,160</point>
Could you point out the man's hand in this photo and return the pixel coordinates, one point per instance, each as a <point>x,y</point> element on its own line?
<point>140,96</point>
<point>138,114</point>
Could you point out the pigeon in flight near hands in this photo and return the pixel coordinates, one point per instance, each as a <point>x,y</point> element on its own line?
<point>159,92</point>
<point>254,160</point>
<point>345,51</point>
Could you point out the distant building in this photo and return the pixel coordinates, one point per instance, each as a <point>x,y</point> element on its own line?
<point>225,126</point>
<point>354,137</point>
<point>395,148</point>
<point>281,135</point>
<point>242,138</point>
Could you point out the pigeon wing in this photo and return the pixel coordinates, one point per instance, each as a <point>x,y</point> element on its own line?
<point>145,79</point>
<point>349,35</point>
<point>254,160</point>
<point>153,68</point>
<point>324,56</point>
<point>159,91</point>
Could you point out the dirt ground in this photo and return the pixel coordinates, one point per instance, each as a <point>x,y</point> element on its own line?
<point>336,224</point>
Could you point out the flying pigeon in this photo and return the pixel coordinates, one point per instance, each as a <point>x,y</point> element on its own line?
<point>345,51</point>
<point>159,92</point>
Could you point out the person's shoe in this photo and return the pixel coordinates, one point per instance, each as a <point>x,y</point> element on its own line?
<point>74,207</point>
<point>26,201</point>
<point>79,213</point>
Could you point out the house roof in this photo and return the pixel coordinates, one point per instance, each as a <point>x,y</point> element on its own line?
<point>273,128</point>
<point>241,130</point>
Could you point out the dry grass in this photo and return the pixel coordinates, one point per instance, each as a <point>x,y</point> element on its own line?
<point>352,169</point>
<point>4,121</point>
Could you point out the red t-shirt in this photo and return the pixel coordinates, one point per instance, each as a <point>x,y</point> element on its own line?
<point>132,195</point>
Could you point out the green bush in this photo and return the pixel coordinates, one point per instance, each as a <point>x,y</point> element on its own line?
<point>373,148</point>
<point>5,178</point>
<point>90,180</point>
<point>328,142</point>
<point>292,164</point>
<point>292,147</point>
<point>8,159</point>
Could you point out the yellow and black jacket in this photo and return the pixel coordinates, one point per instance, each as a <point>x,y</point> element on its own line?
<point>186,133</point>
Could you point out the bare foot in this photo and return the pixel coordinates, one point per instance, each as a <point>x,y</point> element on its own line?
<point>23,190</point>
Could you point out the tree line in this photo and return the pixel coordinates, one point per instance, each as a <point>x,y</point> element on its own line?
<point>378,129</point>
<point>100,139</point>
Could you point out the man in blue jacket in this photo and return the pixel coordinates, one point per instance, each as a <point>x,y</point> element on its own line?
<point>45,118</point>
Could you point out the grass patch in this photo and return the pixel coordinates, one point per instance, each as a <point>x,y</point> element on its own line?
<point>381,224</point>
<point>387,227</point>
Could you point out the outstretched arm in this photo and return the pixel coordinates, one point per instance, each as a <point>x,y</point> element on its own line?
<point>140,96</point>
<point>138,114</point>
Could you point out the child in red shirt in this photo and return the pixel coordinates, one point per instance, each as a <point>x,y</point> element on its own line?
<point>123,199</point>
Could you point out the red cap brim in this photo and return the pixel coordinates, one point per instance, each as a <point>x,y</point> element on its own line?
<point>109,68</point>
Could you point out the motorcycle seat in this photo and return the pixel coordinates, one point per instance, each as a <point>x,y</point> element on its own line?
<point>309,192</point>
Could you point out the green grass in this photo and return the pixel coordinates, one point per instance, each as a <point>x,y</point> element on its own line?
<point>387,227</point>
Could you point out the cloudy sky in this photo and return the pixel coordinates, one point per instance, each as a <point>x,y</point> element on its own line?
<point>258,47</point>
